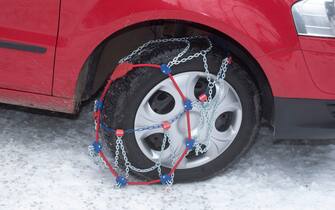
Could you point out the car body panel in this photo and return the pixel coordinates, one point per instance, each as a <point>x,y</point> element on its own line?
<point>33,23</point>
<point>264,28</point>
<point>320,58</point>
<point>290,77</point>
<point>39,101</point>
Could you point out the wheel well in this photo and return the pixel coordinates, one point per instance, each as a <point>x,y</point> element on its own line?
<point>104,58</point>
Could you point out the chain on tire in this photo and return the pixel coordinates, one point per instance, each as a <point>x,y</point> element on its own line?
<point>205,104</point>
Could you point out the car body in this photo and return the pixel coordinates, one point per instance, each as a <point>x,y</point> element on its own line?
<point>48,51</point>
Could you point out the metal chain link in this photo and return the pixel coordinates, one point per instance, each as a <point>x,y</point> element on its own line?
<point>209,105</point>
<point>128,165</point>
<point>191,57</point>
<point>117,152</point>
<point>140,48</point>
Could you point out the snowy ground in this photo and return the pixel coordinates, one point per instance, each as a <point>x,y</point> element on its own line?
<point>44,165</point>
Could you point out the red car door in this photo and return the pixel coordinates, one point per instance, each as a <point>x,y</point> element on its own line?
<point>28,34</point>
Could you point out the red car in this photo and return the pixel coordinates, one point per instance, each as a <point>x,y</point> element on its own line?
<point>56,54</point>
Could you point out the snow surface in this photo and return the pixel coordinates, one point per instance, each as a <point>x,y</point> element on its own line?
<point>44,165</point>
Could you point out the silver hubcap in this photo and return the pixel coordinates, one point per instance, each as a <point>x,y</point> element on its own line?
<point>225,114</point>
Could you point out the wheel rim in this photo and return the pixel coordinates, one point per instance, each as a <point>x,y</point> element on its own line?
<point>225,112</point>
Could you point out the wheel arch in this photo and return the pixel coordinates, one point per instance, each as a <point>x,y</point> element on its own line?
<point>83,30</point>
<point>103,59</point>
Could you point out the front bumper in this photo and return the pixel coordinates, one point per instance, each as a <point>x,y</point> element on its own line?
<point>304,119</point>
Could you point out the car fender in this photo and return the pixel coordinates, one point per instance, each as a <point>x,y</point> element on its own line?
<point>259,29</point>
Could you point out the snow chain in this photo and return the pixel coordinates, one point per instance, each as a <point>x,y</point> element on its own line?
<point>205,103</point>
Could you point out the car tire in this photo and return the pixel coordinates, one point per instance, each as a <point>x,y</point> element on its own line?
<point>125,96</point>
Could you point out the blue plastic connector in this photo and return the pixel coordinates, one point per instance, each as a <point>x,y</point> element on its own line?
<point>190,143</point>
<point>166,179</point>
<point>99,105</point>
<point>165,69</point>
<point>188,105</point>
<point>121,181</point>
<point>97,147</point>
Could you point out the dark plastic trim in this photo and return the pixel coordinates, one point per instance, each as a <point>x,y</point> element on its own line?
<point>304,119</point>
<point>22,47</point>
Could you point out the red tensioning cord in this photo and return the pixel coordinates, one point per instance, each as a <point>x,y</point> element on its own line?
<point>108,164</point>
<point>178,162</point>
<point>188,119</point>
<point>177,87</point>
<point>145,183</point>
<point>106,89</point>
<point>146,65</point>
